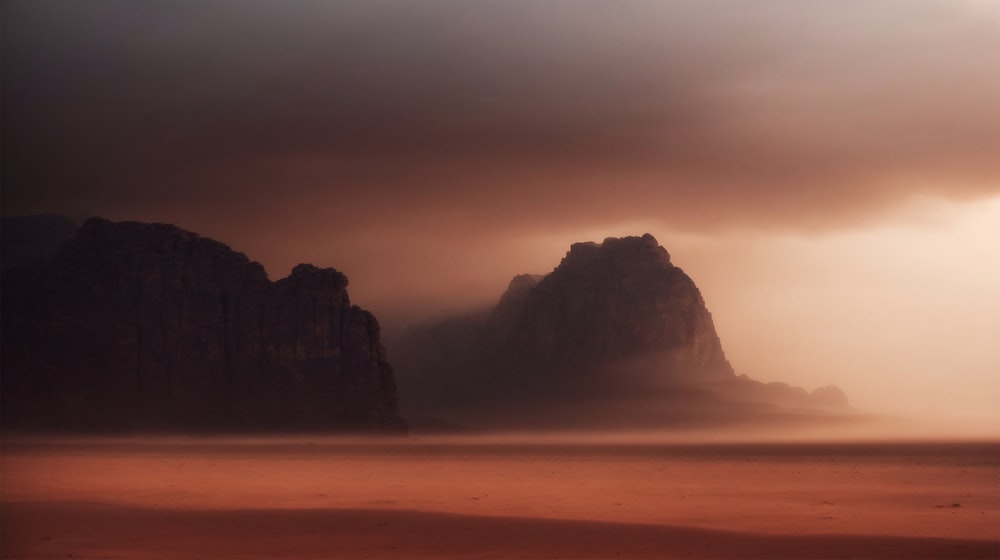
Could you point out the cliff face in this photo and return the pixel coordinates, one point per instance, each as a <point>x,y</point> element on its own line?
<point>148,326</point>
<point>605,302</point>
<point>614,328</point>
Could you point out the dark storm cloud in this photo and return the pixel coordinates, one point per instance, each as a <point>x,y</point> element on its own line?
<point>425,116</point>
<point>232,81</point>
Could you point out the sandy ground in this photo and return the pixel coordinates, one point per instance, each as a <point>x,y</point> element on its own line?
<point>328,498</point>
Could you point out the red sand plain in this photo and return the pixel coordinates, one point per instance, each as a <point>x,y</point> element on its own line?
<point>494,498</point>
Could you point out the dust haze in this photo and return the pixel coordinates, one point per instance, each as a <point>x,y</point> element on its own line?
<point>825,171</point>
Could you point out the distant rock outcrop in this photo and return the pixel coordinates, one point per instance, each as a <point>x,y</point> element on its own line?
<point>619,299</point>
<point>147,326</point>
<point>615,334</point>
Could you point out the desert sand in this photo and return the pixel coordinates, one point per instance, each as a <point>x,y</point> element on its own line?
<point>136,498</point>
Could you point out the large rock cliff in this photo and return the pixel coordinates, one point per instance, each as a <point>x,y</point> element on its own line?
<point>619,299</point>
<point>615,334</point>
<point>147,326</point>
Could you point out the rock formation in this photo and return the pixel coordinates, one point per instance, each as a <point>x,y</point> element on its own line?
<point>615,333</point>
<point>620,299</point>
<point>147,326</point>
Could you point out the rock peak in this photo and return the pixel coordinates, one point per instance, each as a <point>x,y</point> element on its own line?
<point>637,249</point>
<point>314,273</point>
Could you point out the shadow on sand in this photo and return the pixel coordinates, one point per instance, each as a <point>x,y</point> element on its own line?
<point>96,530</point>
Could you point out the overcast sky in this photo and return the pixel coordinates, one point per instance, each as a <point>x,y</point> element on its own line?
<point>828,172</point>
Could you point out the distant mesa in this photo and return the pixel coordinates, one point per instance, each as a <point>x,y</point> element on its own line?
<point>134,326</point>
<point>615,336</point>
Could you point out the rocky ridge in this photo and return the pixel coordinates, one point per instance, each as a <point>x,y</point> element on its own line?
<point>146,326</point>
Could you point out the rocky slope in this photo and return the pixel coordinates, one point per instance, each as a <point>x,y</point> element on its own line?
<point>147,326</point>
<point>616,334</point>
